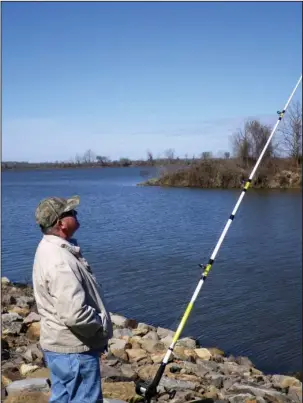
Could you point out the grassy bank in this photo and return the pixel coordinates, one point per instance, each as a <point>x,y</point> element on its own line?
<point>229,174</point>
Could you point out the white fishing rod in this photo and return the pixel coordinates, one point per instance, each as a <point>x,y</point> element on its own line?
<point>148,391</point>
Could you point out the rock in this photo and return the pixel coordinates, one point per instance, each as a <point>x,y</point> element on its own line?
<point>30,397</point>
<point>187,342</point>
<point>5,281</point>
<point>216,351</point>
<point>242,398</point>
<point>244,361</point>
<point>182,397</point>
<point>295,393</point>
<point>20,311</point>
<point>157,358</point>
<point>128,372</point>
<point>118,320</point>
<point>9,318</point>
<point>167,340</point>
<point>29,385</point>
<point>152,346</point>
<point>282,381</point>
<point>12,329</point>
<point>145,326</point>
<point>5,381</point>
<point>217,380</point>
<point>119,390</point>
<point>108,372</point>
<point>231,368</point>
<point>32,317</point>
<point>119,333</point>
<point>147,372</point>
<point>162,332</point>
<point>24,301</point>
<point>27,368</point>
<point>176,384</point>
<point>152,335</point>
<point>136,354</point>
<point>121,321</point>
<point>33,353</point>
<point>258,391</point>
<point>117,344</point>
<point>8,299</point>
<point>211,393</point>
<point>33,332</point>
<point>203,353</point>
<point>40,373</point>
<point>120,353</point>
<point>185,354</point>
<point>140,332</point>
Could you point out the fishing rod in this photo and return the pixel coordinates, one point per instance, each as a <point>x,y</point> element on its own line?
<point>148,391</point>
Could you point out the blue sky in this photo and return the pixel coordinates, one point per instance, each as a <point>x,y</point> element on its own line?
<point>124,78</point>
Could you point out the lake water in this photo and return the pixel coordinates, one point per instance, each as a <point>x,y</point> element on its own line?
<point>145,244</point>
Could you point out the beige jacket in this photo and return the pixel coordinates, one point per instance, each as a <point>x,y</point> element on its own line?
<point>73,314</point>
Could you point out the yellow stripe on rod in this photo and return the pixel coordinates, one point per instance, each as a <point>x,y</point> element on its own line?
<point>183,321</point>
<point>207,268</point>
<point>247,184</point>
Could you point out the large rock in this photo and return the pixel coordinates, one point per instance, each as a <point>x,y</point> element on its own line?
<point>25,301</point>
<point>152,346</point>
<point>295,393</point>
<point>12,329</point>
<point>40,373</point>
<point>119,390</point>
<point>187,342</point>
<point>151,335</point>
<point>28,385</point>
<point>33,353</point>
<point>5,281</point>
<point>185,354</point>
<point>117,344</point>
<point>119,333</point>
<point>20,311</point>
<point>167,340</point>
<point>25,369</point>
<point>9,318</point>
<point>32,317</point>
<point>257,391</point>
<point>136,354</point>
<point>162,332</point>
<point>128,372</point>
<point>203,353</point>
<point>33,332</point>
<point>121,321</point>
<point>30,397</point>
<point>177,384</point>
<point>282,381</point>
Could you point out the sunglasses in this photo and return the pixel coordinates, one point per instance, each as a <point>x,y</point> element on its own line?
<point>71,213</point>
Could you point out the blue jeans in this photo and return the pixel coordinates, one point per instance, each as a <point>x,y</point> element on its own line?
<point>75,378</point>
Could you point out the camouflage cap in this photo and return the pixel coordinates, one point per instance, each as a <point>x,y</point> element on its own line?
<point>50,209</point>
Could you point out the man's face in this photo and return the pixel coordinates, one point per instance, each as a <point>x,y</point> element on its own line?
<point>69,223</point>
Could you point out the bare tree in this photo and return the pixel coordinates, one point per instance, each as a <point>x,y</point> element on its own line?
<point>249,142</point>
<point>170,154</point>
<point>206,155</point>
<point>291,132</point>
<point>103,160</point>
<point>150,157</point>
<point>227,155</point>
<point>89,157</point>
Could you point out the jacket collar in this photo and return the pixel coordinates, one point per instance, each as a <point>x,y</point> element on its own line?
<point>62,243</point>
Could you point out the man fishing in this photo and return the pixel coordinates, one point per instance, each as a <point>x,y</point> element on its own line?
<point>75,323</point>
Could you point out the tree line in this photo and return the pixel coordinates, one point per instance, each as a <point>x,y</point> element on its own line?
<point>246,143</point>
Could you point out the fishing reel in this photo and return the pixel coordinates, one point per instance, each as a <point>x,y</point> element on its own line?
<point>149,391</point>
